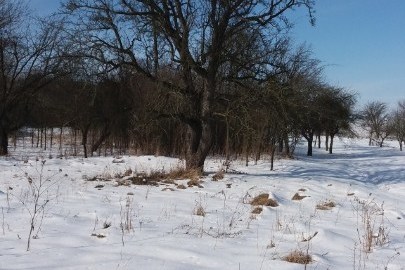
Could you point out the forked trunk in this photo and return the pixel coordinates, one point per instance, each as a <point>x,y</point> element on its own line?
<point>309,136</point>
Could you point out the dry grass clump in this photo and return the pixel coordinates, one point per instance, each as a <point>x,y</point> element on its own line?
<point>98,235</point>
<point>168,188</point>
<point>298,197</point>
<point>199,211</point>
<point>183,173</point>
<point>218,176</point>
<point>325,205</point>
<point>194,183</point>
<point>156,177</point>
<point>181,186</point>
<point>257,210</point>
<point>128,172</point>
<point>297,256</point>
<point>263,199</point>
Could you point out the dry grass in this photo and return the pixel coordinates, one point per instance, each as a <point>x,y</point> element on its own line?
<point>195,183</point>
<point>263,199</point>
<point>199,211</point>
<point>182,173</point>
<point>257,210</point>
<point>168,189</point>
<point>302,189</point>
<point>298,197</point>
<point>328,205</point>
<point>156,177</point>
<point>297,256</point>
<point>128,172</point>
<point>98,235</point>
<point>218,176</point>
<point>181,186</point>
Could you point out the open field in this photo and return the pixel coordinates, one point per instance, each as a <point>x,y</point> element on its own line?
<point>348,212</point>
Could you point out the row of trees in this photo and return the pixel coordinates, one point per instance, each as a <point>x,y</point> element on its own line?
<point>178,77</point>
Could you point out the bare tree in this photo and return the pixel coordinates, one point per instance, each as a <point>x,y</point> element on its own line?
<point>28,61</point>
<point>398,123</point>
<point>336,107</point>
<point>201,39</point>
<point>375,119</point>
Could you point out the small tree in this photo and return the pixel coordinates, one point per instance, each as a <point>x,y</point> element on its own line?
<point>376,120</point>
<point>398,123</point>
<point>336,107</point>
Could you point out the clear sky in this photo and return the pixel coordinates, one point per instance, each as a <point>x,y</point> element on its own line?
<point>361,43</point>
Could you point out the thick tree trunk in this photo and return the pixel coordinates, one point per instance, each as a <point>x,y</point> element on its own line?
<point>3,142</point>
<point>331,143</point>
<point>309,152</point>
<point>327,142</point>
<point>309,136</point>
<point>199,144</point>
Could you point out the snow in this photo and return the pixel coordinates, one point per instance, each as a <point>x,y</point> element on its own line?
<point>365,183</point>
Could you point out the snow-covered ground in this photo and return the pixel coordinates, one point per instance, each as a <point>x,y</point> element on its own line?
<point>79,226</point>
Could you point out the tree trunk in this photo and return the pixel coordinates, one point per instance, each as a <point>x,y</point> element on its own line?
<point>400,146</point>
<point>327,142</point>
<point>51,139</point>
<point>3,142</point>
<point>60,139</point>
<point>45,137</point>
<point>85,133</point>
<point>331,143</point>
<point>280,145</point>
<point>319,140</point>
<point>309,152</point>
<point>272,154</point>
<point>199,144</point>
<point>286,146</point>
<point>103,136</point>
<point>309,136</point>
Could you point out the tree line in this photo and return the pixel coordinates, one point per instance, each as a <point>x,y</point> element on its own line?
<point>186,78</point>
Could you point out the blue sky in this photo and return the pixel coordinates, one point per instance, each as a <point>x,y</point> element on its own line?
<point>360,42</point>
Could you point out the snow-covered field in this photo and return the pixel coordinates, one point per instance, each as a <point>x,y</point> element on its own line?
<point>79,226</point>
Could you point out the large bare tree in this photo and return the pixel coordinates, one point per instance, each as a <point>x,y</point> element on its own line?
<point>206,42</point>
